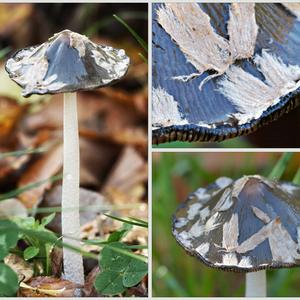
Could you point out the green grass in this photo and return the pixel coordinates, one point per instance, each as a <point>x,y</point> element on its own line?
<point>175,273</point>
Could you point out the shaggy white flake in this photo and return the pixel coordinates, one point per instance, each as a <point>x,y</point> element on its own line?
<point>242,30</point>
<point>252,96</point>
<point>165,111</point>
<point>245,262</point>
<point>189,26</point>
<point>260,214</point>
<point>231,233</point>
<point>203,249</point>
<point>223,182</point>
<point>193,210</point>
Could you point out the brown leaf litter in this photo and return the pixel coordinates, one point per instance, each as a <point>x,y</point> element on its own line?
<point>44,286</point>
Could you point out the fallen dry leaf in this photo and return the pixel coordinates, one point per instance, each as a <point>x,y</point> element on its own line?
<point>140,290</point>
<point>88,289</point>
<point>137,100</point>
<point>96,160</point>
<point>46,166</point>
<point>100,118</point>
<point>23,269</point>
<point>10,165</point>
<point>48,115</point>
<point>95,111</point>
<point>127,136</point>
<point>48,287</point>
<point>12,208</point>
<point>56,257</point>
<point>10,115</point>
<point>129,171</point>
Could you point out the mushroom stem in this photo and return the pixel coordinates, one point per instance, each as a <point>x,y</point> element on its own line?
<point>256,284</point>
<point>73,263</point>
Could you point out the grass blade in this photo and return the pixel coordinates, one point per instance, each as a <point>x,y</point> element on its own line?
<point>52,239</point>
<point>280,166</point>
<point>23,152</point>
<point>30,186</point>
<point>141,224</point>
<point>93,208</point>
<point>164,275</point>
<point>4,51</point>
<point>134,34</point>
<point>296,179</point>
<point>143,58</point>
<point>139,220</point>
<point>125,15</point>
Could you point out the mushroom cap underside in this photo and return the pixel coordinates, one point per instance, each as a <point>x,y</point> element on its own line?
<point>221,109</point>
<point>244,225</point>
<point>67,62</point>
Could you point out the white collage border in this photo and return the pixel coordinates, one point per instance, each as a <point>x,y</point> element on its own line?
<point>154,150</point>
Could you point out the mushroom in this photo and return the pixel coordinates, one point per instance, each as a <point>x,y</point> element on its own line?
<point>66,63</point>
<point>222,70</point>
<point>247,225</point>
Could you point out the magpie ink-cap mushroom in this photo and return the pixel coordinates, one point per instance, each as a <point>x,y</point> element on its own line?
<point>222,70</point>
<point>243,225</point>
<point>66,63</point>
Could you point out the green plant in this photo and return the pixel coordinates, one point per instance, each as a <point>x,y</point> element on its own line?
<point>12,231</point>
<point>115,277</point>
<point>117,261</point>
<point>119,268</point>
<point>36,247</point>
<point>118,271</point>
<point>8,281</point>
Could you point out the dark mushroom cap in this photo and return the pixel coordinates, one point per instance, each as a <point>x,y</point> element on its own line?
<point>67,62</point>
<point>209,115</point>
<point>244,225</point>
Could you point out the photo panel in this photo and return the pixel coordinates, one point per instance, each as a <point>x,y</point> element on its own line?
<point>225,75</point>
<point>74,150</point>
<point>225,224</point>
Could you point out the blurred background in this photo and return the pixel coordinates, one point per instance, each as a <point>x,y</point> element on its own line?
<point>175,175</point>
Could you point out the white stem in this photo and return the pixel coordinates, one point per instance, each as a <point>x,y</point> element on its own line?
<point>256,284</point>
<point>73,263</point>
